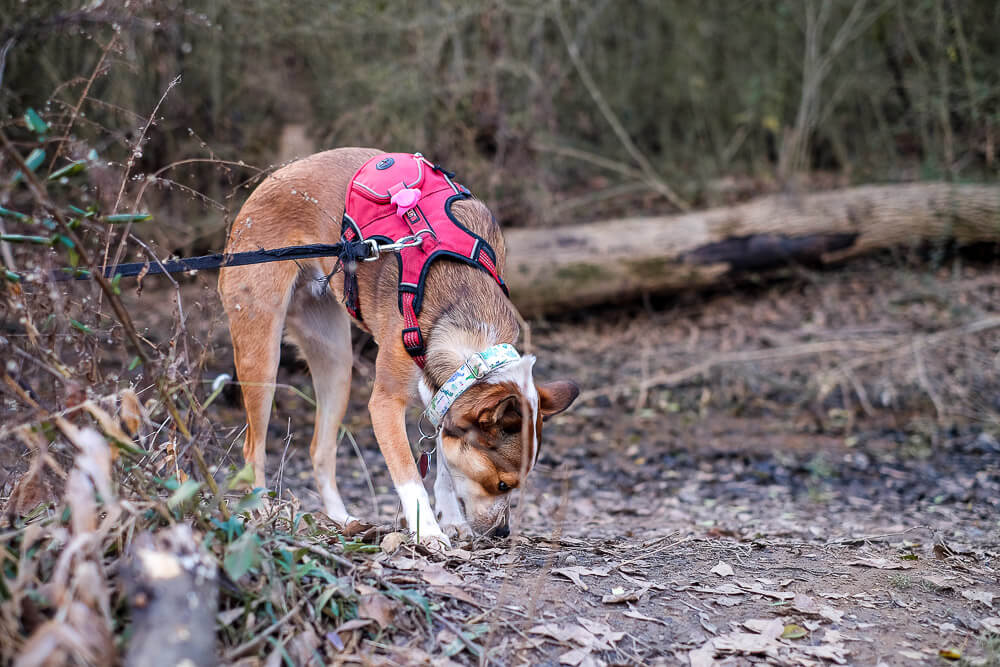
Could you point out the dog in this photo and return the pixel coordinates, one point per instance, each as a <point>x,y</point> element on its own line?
<point>487,440</point>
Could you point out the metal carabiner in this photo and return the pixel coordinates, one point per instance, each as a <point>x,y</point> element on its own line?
<point>374,249</point>
<point>435,431</point>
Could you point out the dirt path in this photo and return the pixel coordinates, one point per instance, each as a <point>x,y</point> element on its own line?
<point>805,473</point>
<point>742,513</point>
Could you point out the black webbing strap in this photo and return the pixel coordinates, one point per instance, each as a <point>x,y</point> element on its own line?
<point>346,252</point>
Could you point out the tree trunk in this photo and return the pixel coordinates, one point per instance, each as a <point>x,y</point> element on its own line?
<point>568,267</point>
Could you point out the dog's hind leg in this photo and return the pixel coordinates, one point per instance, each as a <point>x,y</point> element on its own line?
<point>321,329</point>
<point>255,299</point>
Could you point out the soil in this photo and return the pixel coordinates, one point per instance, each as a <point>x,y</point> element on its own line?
<point>801,472</point>
<point>862,515</point>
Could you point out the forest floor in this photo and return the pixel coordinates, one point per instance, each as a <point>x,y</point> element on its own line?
<point>806,472</point>
<point>740,512</point>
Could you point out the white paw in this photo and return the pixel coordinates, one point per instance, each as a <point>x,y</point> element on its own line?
<point>458,529</point>
<point>434,539</point>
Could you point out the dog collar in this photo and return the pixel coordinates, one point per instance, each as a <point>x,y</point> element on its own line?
<point>472,371</point>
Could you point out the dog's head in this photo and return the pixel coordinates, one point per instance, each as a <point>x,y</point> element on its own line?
<point>491,437</point>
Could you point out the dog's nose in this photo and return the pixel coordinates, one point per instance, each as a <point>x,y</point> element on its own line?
<point>503,530</point>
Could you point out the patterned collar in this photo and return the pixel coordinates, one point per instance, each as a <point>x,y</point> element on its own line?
<point>475,368</point>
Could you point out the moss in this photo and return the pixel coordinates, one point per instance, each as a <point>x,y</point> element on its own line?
<point>648,268</point>
<point>582,272</point>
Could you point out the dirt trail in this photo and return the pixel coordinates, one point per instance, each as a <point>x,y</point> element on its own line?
<point>750,512</point>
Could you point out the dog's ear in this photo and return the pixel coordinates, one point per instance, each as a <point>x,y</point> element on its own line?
<point>504,416</point>
<point>556,396</point>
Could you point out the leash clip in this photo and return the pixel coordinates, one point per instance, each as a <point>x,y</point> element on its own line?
<point>424,462</point>
<point>411,241</point>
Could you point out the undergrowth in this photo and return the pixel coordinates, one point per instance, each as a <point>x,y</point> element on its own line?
<point>110,425</point>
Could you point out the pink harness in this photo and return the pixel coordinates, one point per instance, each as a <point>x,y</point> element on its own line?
<point>402,197</point>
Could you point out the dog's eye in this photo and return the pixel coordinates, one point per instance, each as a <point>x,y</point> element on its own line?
<point>503,487</point>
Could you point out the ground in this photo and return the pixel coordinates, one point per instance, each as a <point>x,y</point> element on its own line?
<point>661,524</point>
<point>802,471</point>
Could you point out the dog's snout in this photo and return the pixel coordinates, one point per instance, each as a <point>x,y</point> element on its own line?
<point>503,530</point>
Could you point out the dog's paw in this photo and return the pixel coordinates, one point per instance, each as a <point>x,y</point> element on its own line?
<point>460,530</point>
<point>435,540</point>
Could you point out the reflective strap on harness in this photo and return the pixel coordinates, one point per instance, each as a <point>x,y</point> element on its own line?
<point>413,340</point>
<point>351,299</point>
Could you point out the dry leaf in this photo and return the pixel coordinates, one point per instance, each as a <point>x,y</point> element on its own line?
<point>881,563</point>
<point>570,632</point>
<point>377,607</point>
<point>574,657</point>
<point>770,627</point>
<point>36,487</point>
<point>833,652</point>
<point>406,563</point>
<point>703,656</point>
<point>746,642</point>
<point>459,553</point>
<point>436,575</point>
<point>728,602</point>
<point>574,573</point>
<point>912,655</point>
<point>392,541</point>
<point>805,605</point>
<point>602,630</point>
<point>991,624</point>
<point>724,589</point>
<point>831,614</point>
<point>642,617</point>
<point>722,569</point>
<point>355,528</point>
<point>756,588</point>
<point>833,637</point>
<point>619,595</point>
<point>456,593</point>
<point>108,423</point>
<point>132,413</point>
<point>984,597</point>
<point>941,582</point>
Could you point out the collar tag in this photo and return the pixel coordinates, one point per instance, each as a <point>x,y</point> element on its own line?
<point>472,371</point>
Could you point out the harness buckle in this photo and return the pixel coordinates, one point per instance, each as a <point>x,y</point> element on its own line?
<point>373,250</point>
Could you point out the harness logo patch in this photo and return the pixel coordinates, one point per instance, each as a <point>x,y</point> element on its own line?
<point>384,163</point>
<point>412,216</point>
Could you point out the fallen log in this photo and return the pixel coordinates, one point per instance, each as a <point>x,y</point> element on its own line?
<point>554,269</point>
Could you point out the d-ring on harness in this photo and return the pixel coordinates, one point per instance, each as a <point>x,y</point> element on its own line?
<point>475,368</point>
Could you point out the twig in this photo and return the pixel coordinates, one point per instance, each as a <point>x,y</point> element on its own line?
<point>83,97</point>
<point>650,174</point>
<point>870,538</point>
<point>3,58</point>
<point>676,377</point>
<point>925,382</point>
<point>469,644</point>
<point>246,646</point>
<point>320,551</point>
<point>881,349</point>
<point>210,480</point>
<point>38,192</point>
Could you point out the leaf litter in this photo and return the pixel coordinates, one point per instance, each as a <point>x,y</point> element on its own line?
<point>732,507</point>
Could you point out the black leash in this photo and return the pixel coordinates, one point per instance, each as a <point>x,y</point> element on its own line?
<point>346,252</point>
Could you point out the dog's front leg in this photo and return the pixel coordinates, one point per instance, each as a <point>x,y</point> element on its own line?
<point>388,411</point>
<point>449,511</point>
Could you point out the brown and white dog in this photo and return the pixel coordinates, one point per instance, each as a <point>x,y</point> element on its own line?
<point>486,443</point>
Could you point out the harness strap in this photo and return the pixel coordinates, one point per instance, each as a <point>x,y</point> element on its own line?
<point>413,339</point>
<point>351,300</point>
<point>396,196</point>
